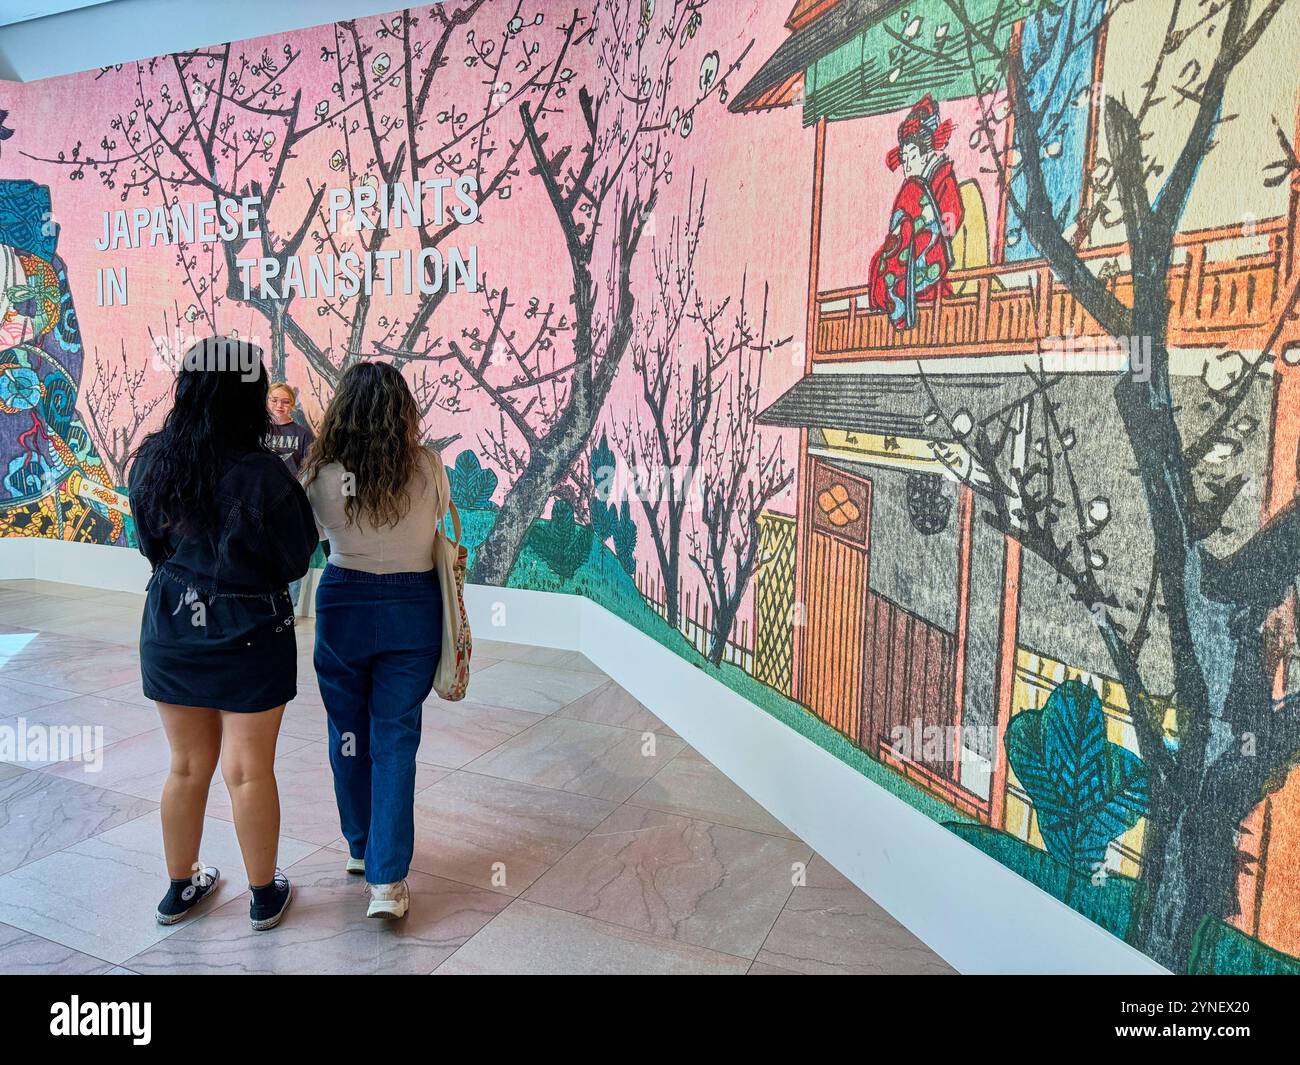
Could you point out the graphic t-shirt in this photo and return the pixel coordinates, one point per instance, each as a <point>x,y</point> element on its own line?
<point>291,442</point>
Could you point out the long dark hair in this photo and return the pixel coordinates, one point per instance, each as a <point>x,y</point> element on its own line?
<point>218,409</point>
<point>372,429</point>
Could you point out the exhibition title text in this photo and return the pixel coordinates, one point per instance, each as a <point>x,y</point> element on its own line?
<point>333,273</point>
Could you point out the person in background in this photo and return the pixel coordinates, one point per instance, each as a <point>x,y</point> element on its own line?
<point>378,495</point>
<point>225,527</point>
<point>289,440</point>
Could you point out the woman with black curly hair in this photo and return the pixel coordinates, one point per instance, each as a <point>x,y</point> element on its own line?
<point>378,495</point>
<point>226,527</point>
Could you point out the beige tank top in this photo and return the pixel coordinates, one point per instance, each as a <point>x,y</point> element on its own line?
<point>406,547</point>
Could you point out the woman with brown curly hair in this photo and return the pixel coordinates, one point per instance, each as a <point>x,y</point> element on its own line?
<point>378,496</point>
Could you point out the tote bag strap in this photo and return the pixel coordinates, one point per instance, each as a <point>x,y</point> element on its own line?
<point>455,522</point>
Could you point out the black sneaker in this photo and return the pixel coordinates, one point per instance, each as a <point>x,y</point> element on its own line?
<point>270,903</point>
<point>184,895</point>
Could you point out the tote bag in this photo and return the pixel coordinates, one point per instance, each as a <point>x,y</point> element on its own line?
<point>451,681</point>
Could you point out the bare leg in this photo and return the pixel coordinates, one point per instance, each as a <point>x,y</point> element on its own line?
<point>248,764</point>
<point>194,733</point>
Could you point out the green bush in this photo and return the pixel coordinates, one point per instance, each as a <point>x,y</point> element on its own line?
<point>610,523</point>
<point>562,543</point>
<point>624,534</point>
<point>1108,901</point>
<point>1220,948</point>
<point>471,485</point>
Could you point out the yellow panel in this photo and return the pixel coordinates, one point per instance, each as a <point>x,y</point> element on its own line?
<point>970,245</point>
<point>1016,818</point>
<point>903,451</point>
<point>1229,185</point>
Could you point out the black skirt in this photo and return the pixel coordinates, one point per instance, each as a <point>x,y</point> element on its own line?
<point>233,652</point>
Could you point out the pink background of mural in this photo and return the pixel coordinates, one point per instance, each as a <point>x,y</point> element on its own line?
<point>757,168</point>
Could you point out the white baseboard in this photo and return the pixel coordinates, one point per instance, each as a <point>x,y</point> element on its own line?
<point>516,615</point>
<point>17,557</point>
<point>976,913</point>
<point>114,569</point>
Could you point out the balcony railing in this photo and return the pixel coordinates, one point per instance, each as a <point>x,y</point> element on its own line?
<point>1225,288</point>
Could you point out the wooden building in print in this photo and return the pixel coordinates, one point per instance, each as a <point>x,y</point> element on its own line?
<point>920,631</point>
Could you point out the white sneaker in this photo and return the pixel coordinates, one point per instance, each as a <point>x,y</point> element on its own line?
<point>356,865</point>
<point>389,901</point>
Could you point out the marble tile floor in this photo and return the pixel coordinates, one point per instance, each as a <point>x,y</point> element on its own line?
<point>560,828</point>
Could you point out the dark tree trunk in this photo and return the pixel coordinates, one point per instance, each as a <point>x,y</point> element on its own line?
<point>724,620</point>
<point>522,506</point>
<point>1222,769</point>
<point>1188,874</point>
<point>722,623</point>
<point>671,568</point>
<point>667,544</point>
<point>277,341</point>
<point>527,497</point>
<point>552,454</point>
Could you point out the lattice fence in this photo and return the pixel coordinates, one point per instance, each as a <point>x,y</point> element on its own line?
<point>774,601</point>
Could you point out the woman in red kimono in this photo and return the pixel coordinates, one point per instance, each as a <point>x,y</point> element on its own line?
<point>913,263</point>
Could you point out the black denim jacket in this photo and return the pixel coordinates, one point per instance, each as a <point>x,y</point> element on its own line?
<point>264,537</point>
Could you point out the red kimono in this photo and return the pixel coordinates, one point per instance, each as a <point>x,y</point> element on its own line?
<point>913,263</point>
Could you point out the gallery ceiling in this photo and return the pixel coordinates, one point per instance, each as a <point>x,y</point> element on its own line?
<point>46,38</point>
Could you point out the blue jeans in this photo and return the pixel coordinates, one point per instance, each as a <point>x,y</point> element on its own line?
<point>378,638</point>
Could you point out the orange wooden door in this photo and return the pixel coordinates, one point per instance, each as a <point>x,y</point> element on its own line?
<point>835,612</point>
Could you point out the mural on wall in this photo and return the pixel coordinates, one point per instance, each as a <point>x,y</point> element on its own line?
<point>923,371</point>
<point>54,482</point>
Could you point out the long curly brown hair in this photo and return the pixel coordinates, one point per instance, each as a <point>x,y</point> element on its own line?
<point>372,429</point>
